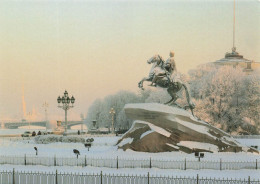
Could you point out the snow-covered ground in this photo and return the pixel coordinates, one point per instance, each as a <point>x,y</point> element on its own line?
<point>250,142</point>
<point>104,147</point>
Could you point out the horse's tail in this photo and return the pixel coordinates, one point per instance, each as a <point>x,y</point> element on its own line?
<point>191,104</point>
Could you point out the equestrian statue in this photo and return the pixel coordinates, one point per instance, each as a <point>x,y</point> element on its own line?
<point>164,74</point>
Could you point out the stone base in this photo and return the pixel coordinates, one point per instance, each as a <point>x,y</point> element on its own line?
<point>162,128</point>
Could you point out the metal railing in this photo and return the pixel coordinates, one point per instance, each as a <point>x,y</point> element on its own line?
<point>117,162</point>
<point>14,177</point>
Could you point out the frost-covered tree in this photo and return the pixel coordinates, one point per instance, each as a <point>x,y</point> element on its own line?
<point>226,97</point>
<point>100,109</point>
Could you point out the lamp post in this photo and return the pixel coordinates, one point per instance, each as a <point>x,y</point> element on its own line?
<point>66,100</point>
<point>112,112</point>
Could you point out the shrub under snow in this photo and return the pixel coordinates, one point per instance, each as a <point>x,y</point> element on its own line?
<point>45,139</point>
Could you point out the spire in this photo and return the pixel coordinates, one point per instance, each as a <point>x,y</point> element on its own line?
<point>234,26</point>
<point>23,103</point>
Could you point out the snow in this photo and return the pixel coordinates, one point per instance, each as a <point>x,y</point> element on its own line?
<point>159,108</point>
<point>126,141</point>
<point>155,128</point>
<point>171,145</point>
<point>159,130</point>
<point>250,142</point>
<point>198,145</point>
<point>198,128</point>
<point>146,133</point>
<point>105,146</point>
<point>203,128</point>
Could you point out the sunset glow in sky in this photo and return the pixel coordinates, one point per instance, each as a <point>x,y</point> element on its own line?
<point>96,48</point>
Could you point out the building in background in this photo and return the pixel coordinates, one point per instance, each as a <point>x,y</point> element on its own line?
<point>236,60</point>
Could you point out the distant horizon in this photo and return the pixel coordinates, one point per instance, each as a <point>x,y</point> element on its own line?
<point>96,48</point>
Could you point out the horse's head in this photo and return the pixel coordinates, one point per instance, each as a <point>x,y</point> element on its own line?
<point>156,58</point>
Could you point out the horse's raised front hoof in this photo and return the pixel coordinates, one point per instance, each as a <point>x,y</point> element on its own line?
<point>140,85</point>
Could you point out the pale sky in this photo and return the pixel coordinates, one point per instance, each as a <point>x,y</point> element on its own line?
<point>96,48</point>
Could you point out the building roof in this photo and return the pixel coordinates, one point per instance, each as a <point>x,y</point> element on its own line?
<point>234,56</point>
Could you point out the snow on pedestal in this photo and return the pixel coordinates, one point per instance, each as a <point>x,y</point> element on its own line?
<point>161,128</point>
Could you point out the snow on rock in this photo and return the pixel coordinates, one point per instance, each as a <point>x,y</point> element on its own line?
<point>198,145</point>
<point>171,145</point>
<point>159,130</point>
<point>126,141</point>
<point>162,128</point>
<point>156,129</point>
<point>146,133</point>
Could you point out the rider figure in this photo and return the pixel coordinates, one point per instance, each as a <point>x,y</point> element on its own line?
<point>170,65</point>
<point>169,68</point>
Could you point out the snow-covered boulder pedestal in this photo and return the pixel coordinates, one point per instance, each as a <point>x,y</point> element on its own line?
<point>161,128</point>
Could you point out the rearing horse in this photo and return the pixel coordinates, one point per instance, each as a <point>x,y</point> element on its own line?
<point>157,70</point>
<point>166,80</point>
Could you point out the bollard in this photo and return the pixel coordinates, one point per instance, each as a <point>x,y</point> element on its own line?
<point>220,164</point>
<point>101,177</point>
<point>256,164</point>
<point>13,176</point>
<point>248,179</point>
<point>56,177</point>
<point>85,161</point>
<point>117,162</point>
<point>54,160</point>
<point>148,177</point>
<point>197,178</point>
<point>150,162</point>
<point>185,164</point>
<point>25,159</point>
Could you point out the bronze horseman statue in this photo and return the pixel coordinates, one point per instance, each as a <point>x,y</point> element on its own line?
<point>164,74</point>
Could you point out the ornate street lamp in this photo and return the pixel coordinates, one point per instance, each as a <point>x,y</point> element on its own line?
<point>112,112</point>
<point>65,102</point>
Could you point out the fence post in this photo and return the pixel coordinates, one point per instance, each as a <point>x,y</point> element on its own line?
<point>150,162</point>
<point>117,162</point>
<point>85,161</point>
<point>24,159</point>
<point>56,177</point>
<point>197,178</point>
<point>256,164</point>
<point>13,176</point>
<point>101,177</point>
<point>55,160</point>
<point>220,164</point>
<point>248,179</point>
<point>185,164</point>
<point>148,177</point>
